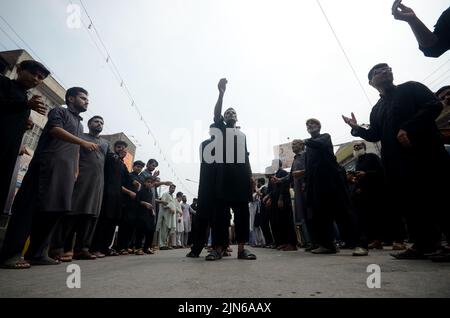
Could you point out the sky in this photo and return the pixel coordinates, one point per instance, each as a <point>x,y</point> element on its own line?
<point>280,57</point>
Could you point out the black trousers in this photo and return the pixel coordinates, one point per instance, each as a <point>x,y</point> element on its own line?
<point>24,223</point>
<point>220,223</point>
<point>81,227</point>
<point>265,224</point>
<point>285,226</point>
<point>145,228</point>
<point>103,235</point>
<point>127,228</point>
<point>199,234</point>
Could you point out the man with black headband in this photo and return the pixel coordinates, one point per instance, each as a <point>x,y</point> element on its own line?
<point>15,111</point>
<point>47,188</point>
<point>403,120</point>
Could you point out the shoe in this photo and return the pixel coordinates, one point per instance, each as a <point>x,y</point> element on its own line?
<point>99,255</point>
<point>409,254</point>
<point>377,245</point>
<point>289,247</point>
<point>323,250</point>
<point>359,251</point>
<point>192,254</point>
<point>399,246</point>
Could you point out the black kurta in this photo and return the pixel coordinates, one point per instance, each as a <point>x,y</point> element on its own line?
<point>323,182</point>
<point>51,174</point>
<point>442,32</point>
<point>412,107</point>
<point>116,174</point>
<point>414,175</point>
<point>14,113</point>
<point>233,183</point>
<point>207,183</point>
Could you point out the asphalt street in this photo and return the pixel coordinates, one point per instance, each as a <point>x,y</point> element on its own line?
<point>274,274</point>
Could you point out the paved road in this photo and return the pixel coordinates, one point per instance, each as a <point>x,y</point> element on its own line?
<point>274,274</point>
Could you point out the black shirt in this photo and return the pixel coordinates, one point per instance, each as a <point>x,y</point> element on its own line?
<point>442,32</point>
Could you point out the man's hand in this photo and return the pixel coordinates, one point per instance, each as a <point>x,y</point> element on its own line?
<point>36,104</point>
<point>156,173</point>
<point>298,173</point>
<point>167,183</point>
<point>222,86</point>
<point>350,121</point>
<point>402,12</point>
<point>269,203</point>
<point>90,146</point>
<point>280,204</point>
<point>402,137</point>
<point>148,205</point>
<point>360,174</point>
<point>275,180</point>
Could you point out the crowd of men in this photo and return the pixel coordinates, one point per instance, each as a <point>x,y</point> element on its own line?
<point>78,191</point>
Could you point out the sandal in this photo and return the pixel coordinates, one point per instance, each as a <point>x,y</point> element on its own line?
<point>45,260</point>
<point>16,262</point>
<point>139,252</point>
<point>84,255</point>
<point>246,254</point>
<point>123,252</point>
<point>213,256</point>
<point>149,251</point>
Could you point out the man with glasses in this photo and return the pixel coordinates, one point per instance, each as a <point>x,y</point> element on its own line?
<point>404,121</point>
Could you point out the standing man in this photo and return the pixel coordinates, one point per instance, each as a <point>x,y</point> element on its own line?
<point>297,179</point>
<point>432,44</point>
<point>86,199</point>
<point>403,120</point>
<point>187,211</point>
<point>47,188</point>
<point>166,222</point>
<point>326,194</point>
<point>233,186</point>
<point>281,207</point>
<point>116,175</point>
<point>15,111</point>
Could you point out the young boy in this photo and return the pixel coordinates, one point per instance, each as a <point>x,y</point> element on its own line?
<point>145,217</point>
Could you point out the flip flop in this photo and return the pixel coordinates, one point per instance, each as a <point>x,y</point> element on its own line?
<point>246,254</point>
<point>44,261</point>
<point>15,263</point>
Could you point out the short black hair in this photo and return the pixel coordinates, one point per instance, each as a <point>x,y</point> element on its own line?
<point>95,117</point>
<point>179,194</point>
<point>150,178</point>
<point>262,180</point>
<point>139,163</point>
<point>73,92</point>
<point>313,120</point>
<point>152,161</point>
<point>443,88</point>
<point>120,143</point>
<point>33,67</point>
<point>372,70</point>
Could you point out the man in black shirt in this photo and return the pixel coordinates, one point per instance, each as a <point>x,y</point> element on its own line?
<point>15,111</point>
<point>233,182</point>
<point>403,120</point>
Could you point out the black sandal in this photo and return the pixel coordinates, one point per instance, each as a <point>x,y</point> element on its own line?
<point>246,254</point>
<point>213,256</point>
